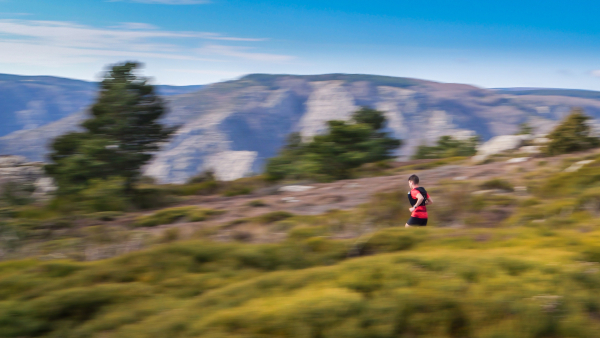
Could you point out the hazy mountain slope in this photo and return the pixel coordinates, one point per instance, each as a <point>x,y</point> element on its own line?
<point>233,126</point>
<point>226,121</point>
<point>28,102</point>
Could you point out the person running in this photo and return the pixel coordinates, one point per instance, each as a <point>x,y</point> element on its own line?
<point>418,198</point>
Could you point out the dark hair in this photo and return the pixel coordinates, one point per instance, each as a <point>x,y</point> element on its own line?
<point>414,179</point>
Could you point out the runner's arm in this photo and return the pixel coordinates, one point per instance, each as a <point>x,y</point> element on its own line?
<point>420,200</point>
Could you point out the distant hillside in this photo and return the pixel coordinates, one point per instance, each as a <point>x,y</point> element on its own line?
<point>28,102</point>
<point>232,127</point>
<point>586,94</point>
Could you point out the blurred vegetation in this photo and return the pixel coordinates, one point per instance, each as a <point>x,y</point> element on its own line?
<point>171,215</point>
<point>117,140</point>
<point>524,129</point>
<point>419,282</point>
<point>497,183</point>
<point>447,146</point>
<point>514,255</point>
<point>332,156</point>
<point>573,134</point>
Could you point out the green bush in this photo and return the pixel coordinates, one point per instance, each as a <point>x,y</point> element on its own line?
<point>448,147</point>
<point>236,190</point>
<point>14,193</point>
<point>427,284</point>
<point>257,204</point>
<point>304,232</point>
<point>105,195</point>
<point>205,176</point>
<point>148,197</point>
<point>389,240</point>
<point>569,183</point>
<point>337,153</point>
<point>387,208</point>
<point>171,215</point>
<point>243,186</point>
<point>272,217</point>
<point>189,189</point>
<point>106,216</point>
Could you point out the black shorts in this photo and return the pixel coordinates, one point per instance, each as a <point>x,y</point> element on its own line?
<point>417,221</point>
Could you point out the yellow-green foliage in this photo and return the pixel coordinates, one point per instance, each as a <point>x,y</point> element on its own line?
<point>388,208</point>
<point>432,283</point>
<point>273,216</point>
<point>243,186</point>
<point>570,183</point>
<point>202,188</point>
<point>171,215</point>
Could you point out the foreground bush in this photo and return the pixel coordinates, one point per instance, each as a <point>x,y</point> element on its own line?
<point>304,288</point>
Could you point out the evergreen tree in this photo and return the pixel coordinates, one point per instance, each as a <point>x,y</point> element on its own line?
<point>346,145</point>
<point>119,138</point>
<point>573,134</point>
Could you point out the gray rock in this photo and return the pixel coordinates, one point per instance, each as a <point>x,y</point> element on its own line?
<point>15,170</point>
<point>295,188</point>
<point>518,160</point>
<point>500,144</point>
<point>578,165</point>
<point>10,161</point>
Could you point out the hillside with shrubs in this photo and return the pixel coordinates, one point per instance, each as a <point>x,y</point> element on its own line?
<point>512,248</point>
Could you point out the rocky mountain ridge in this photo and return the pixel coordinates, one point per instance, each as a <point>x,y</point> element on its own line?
<point>232,127</point>
<point>29,102</point>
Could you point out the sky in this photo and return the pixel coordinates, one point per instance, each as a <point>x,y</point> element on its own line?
<point>490,43</point>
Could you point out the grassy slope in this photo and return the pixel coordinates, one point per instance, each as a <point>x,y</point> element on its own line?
<point>531,273</point>
<point>518,282</point>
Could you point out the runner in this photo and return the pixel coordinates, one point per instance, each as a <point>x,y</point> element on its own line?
<point>418,198</point>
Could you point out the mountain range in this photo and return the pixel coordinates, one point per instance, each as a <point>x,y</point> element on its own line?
<point>232,127</point>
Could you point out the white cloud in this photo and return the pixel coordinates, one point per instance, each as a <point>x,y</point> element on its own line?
<point>61,43</point>
<point>595,73</point>
<point>80,51</point>
<point>242,53</point>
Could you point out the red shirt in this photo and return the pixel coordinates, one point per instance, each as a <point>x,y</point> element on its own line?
<point>421,210</point>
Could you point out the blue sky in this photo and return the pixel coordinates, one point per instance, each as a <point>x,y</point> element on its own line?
<point>484,43</point>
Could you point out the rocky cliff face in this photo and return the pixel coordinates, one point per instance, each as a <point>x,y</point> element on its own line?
<point>233,127</point>
<point>17,175</point>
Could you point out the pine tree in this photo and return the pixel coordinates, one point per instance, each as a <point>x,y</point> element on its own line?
<point>119,138</point>
<point>573,134</point>
<point>333,155</point>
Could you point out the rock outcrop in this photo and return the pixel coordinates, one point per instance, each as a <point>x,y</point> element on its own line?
<point>500,144</point>
<point>23,175</point>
